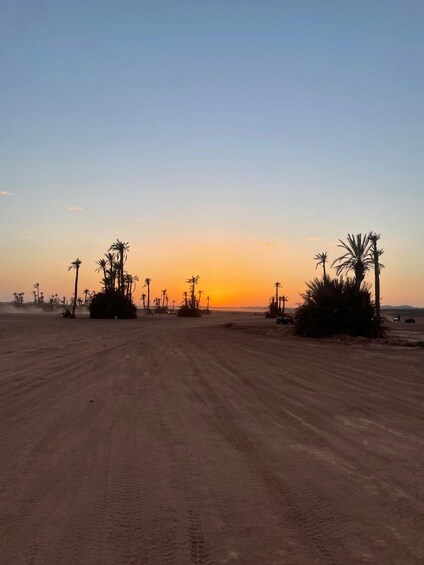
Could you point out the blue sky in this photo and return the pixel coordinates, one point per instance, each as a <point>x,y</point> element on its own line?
<point>216,124</point>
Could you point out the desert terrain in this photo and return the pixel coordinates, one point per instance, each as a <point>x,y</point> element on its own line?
<point>223,439</point>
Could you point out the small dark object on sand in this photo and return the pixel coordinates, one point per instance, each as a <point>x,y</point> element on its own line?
<point>285,320</point>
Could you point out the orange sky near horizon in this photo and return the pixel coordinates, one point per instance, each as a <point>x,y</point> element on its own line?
<point>239,272</point>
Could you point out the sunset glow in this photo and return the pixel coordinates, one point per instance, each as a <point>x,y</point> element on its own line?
<point>230,140</point>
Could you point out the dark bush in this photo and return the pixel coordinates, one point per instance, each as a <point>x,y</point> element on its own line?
<point>111,304</point>
<point>187,312</point>
<point>335,306</point>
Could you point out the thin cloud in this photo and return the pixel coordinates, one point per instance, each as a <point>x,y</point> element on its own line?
<point>261,244</point>
<point>75,209</point>
<point>213,249</point>
<point>6,193</point>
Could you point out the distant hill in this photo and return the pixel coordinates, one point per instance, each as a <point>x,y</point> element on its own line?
<point>403,307</point>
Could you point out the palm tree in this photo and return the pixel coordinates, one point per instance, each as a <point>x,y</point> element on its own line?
<point>147,282</point>
<point>75,265</point>
<point>102,267</point>
<point>192,281</point>
<point>200,298</point>
<point>207,302</point>
<point>163,292</point>
<point>127,284</point>
<point>143,298</point>
<point>356,257</point>
<point>18,297</point>
<point>121,248</point>
<point>86,292</point>
<point>277,286</point>
<point>321,259</point>
<point>110,273</point>
<point>284,299</point>
<point>135,279</point>
<point>36,286</point>
<point>374,255</point>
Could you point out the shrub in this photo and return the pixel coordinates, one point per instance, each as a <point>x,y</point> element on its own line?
<point>335,306</point>
<point>111,304</point>
<point>187,312</point>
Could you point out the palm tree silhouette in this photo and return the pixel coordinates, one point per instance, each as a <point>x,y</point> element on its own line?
<point>130,284</point>
<point>143,298</point>
<point>110,273</point>
<point>121,248</point>
<point>284,299</point>
<point>102,267</point>
<point>192,281</point>
<point>135,280</point>
<point>86,292</point>
<point>75,265</point>
<point>321,259</point>
<point>356,257</point>
<point>277,286</point>
<point>163,292</point>
<point>375,255</point>
<point>36,286</point>
<point>147,282</point>
<point>207,303</point>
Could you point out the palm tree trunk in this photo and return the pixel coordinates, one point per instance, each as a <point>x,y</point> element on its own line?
<point>75,292</point>
<point>377,291</point>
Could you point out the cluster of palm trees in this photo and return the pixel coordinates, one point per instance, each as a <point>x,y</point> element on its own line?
<point>18,298</point>
<point>361,253</point>
<point>53,301</point>
<point>275,309</point>
<point>191,298</point>
<point>112,266</point>
<point>161,302</point>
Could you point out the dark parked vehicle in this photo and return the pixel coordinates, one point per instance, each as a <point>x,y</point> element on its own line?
<point>285,320</point>
<point>409,321</point>
<point>396,318</point>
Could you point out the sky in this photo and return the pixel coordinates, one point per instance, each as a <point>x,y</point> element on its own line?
<point>228,139</point>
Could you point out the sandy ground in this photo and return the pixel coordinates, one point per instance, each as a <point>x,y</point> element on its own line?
<point>165,440</point>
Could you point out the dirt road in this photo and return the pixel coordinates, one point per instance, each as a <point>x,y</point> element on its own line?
<point>163,440</point>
